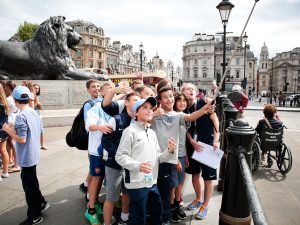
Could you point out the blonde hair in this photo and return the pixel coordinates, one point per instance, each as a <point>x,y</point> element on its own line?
<point>3,100</point>
<point>184,86</point>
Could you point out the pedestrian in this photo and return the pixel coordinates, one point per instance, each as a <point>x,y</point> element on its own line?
<point>139,154</point>
<point>4,112</point>
<point>207,131</point>
<point>180,106</point>
<point>168,125</point>
<point>239,99</point>
<point>9,87</point>
<point>110,143</point>
<point>38,107</point>
<point>27,136</point>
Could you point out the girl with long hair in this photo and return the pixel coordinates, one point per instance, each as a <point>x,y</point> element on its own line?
<point>9,87</point>
<point>4,112</point>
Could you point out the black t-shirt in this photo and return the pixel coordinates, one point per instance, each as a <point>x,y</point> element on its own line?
<point>204,126</point>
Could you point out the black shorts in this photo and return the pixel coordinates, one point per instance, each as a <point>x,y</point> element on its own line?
<point>196,167</point>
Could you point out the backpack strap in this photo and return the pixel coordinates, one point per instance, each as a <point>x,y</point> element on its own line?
<point>268,123</point>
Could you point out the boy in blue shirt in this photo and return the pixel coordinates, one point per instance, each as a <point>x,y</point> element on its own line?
<point>27,136</point>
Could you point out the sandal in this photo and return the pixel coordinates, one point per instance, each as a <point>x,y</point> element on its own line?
<point>14,170</point>
<point>44,148</point>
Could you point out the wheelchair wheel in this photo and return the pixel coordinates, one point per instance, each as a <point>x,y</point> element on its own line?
<point>284,160</point>
<point>256,156</point>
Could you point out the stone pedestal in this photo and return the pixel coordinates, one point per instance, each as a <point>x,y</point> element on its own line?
<point>61,94</point>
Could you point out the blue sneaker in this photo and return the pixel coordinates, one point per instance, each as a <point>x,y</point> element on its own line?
<point>202,213</point>
<point>194,205</point>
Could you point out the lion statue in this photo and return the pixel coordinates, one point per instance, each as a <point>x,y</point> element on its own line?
<point>44,57</point>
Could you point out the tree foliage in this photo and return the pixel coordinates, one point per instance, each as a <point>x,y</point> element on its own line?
<point>26,30</point>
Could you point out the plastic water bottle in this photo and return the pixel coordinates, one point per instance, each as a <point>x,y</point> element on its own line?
<point>148,177</point>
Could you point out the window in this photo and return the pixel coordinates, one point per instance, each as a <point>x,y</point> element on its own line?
<point>204,49</point>
<point>250,65</point>
<point>189,62</point>
<point>188,50</point>
<point>91,64</point>
<point>79,53</point>
<point>188,72</point>
<point>264,83</point>
<point>237,61</point>
<point>91,41</point>
<point>77,29</point>
<point>204,61</point>
<point>99,55</point>
<point>195,49</point>
<point>99,64</point>
<point>195,62</point>
<point>237,74</point>
<point>195,73</point>
<point>78,64</point>
<point>218,62</point>
<point>90,53</point>
<point>204,74</point>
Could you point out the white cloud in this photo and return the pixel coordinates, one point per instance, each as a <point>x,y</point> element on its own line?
<point>165,26</point>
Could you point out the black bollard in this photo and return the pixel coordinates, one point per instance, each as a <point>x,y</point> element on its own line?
<point>235,207</point>
<point>219,107</point>
<point>230,114</point>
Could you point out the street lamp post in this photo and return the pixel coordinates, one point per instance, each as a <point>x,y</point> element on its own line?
<point>295,86</point>
<point>141,56</point>
<point>245,51</point>
<point>271,84</point>
<point>253,87</point>
<point>224,8</point>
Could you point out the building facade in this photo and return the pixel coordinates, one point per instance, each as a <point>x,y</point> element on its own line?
<point>91,50</point>
<point>203,58</point>
<point>284,72</point>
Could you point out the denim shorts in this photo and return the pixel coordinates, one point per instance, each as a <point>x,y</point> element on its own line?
<point>97,168</point>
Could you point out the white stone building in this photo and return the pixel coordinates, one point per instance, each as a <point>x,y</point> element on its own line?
<point>202,58</point>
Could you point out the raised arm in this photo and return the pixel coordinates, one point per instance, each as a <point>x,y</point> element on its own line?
<point>208,108</point>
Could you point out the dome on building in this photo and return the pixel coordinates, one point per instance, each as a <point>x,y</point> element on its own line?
<point>264,49</point>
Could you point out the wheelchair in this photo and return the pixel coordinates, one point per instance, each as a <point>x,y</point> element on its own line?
<point>270,143</point>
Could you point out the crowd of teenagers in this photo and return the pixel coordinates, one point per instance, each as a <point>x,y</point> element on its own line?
<point>141,140</point>
<point>21,138</point>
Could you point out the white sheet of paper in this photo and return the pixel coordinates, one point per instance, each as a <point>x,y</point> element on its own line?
<point>208,156</point>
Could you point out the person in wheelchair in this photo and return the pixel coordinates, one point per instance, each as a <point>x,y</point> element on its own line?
<point>270,142</point>
<point>271,117</point>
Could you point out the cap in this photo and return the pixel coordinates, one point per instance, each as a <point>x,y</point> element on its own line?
<point>140,102</point>
<point>21,93</point>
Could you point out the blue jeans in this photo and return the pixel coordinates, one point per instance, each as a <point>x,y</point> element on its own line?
<point>164,183</point>
<point>138,205</point>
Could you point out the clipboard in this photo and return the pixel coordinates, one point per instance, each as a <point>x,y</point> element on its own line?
<point>208,156</point>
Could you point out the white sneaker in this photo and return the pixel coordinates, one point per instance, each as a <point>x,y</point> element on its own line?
<point>0,178</point>
<point>4,175</point>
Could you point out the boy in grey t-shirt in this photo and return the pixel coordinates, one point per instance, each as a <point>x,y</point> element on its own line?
<point>165,126</point>
<point>27,137</point>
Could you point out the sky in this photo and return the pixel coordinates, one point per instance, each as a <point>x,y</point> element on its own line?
<point>164,26</point>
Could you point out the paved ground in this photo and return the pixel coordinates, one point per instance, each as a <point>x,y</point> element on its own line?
<point>61,169</point>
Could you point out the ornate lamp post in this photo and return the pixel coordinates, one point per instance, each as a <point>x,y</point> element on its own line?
<point>224,8</point>
<point>244,83</point>
<point>141,47</point>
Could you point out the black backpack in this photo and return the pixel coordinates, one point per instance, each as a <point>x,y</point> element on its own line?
<point>78,136</point>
